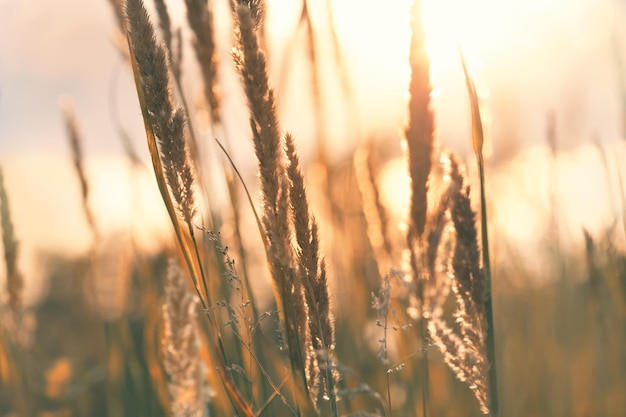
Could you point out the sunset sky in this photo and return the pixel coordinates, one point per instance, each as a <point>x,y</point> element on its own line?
<point>530,59</point>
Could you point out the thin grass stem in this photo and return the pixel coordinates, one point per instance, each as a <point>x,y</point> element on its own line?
<point>478,139</point>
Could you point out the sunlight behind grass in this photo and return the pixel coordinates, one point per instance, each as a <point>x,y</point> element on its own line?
<point>356,277</point>
<point>583,188</point>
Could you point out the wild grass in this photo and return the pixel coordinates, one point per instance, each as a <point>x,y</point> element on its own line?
<point>13,332</point>
<point>365,318</point>
<point>181,346</point>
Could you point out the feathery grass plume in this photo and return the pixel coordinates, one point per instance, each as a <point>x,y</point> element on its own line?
<point>465,354</point>
<point>165,24</point>
<point>470,291</point>
<point>466,255</point>
<point>181,347</point>
<point>178,169</point>
<point>420,145</point>
<point>312,275</point>
<point>174,59</point>
<point>170,158</point>
<point>164,124</point>
<point>200,18</point>
<point>478,140</point>
<point>172,43</point>
<point>251,64</point>
<point>167,122</point>
<point>174,52</point>
<point>440,239</point>
<point>194,154</point>
<point>420,130</point>
<point>168,151</point>
<point>201,21</point>
<point>78,159</point>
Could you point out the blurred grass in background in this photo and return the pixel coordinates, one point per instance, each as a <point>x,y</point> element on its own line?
<point>91,345</point>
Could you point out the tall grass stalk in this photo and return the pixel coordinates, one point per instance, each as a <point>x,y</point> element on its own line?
<point>478,139</point>
<point>77,157</point>
<point>420,144</point>
<point>251,63</point>
<point>172,167</point>
<point>181,347</point>
<point>201,22</point>
<point>299,275</point>
<point>312,271</point>
<point>13,334</point>
<point>150,68</point>
<point>201,19</point>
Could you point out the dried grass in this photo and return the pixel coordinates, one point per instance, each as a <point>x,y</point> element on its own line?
<point>14,280</point>
<point>200,18</point>
<point>311,352</point>
<point>300,277</point>
<point>181,347</point>
<point>78,160</point>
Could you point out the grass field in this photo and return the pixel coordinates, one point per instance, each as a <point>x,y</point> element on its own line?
<point>374,275</point>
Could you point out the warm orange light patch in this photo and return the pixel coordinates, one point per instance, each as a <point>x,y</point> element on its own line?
<point>501,28</point>
<point>57,376</point>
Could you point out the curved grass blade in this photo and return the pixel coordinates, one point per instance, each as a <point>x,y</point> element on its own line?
<point>478,139</point>
<point>236,398</point>
<point>279,294</point>
<point>248,196</point>
<point>158,172</point>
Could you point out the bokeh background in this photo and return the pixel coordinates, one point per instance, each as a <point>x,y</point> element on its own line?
<point>551,76</point>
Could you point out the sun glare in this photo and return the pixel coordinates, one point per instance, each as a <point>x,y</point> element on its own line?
<point>451,25</point>
<point>485,29</point>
